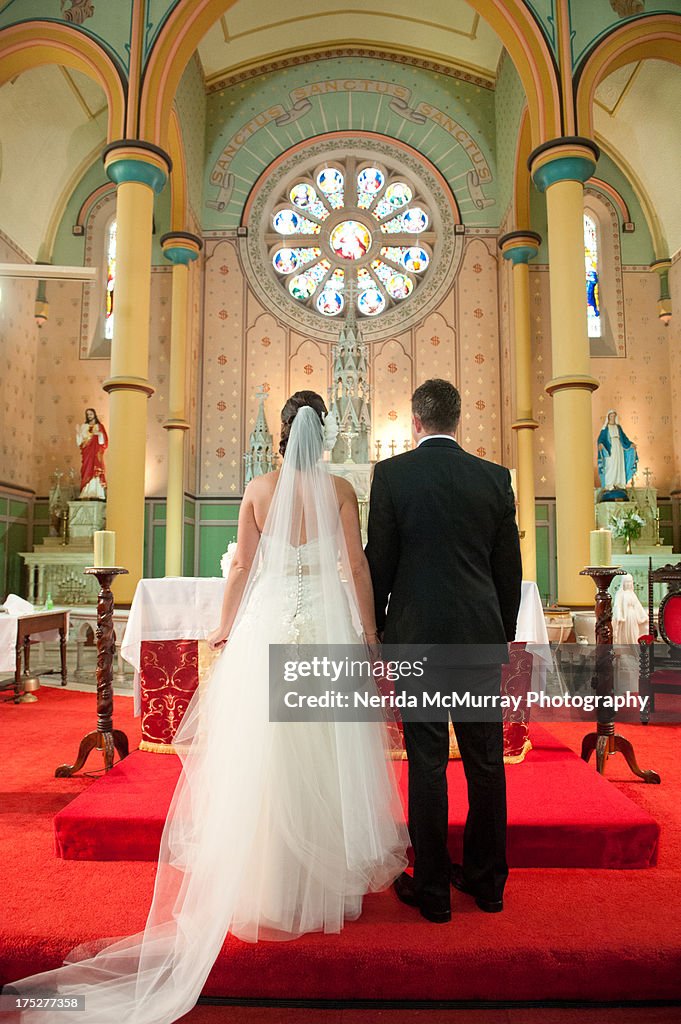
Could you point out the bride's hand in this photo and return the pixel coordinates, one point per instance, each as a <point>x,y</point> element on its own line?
<point>217,639</point>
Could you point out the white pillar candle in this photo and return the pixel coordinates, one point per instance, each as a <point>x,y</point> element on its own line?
<point>105,549</point>
<point>600,547</point>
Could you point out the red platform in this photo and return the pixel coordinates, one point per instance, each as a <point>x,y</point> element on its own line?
<point>561,812</point>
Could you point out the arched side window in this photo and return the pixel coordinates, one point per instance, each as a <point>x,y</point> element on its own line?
<point>592,268</point>
<point>97,309</point>
<point>110,264</point>
<point>604,296</point>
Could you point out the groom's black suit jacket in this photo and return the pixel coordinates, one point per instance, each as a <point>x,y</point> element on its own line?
<point>443,547</point>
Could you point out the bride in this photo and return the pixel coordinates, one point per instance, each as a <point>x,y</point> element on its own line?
<point>274,829</point>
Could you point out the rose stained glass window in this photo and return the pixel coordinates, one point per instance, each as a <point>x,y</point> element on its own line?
<point>351,232</point>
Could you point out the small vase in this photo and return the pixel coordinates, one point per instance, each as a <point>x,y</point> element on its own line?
<point>628,547</point>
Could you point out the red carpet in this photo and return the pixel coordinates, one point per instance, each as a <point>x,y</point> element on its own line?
<point>566,934</point>
<point>561,813</point>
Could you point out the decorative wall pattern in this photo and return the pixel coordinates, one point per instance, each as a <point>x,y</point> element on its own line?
<point>18,359</point>
<point>156,477</point>
<point>221,405</point>
<point>478,332</point>
<point>540,325</point>
<point>266,365</point>
<point>191,108</point>
<point>435,352</point>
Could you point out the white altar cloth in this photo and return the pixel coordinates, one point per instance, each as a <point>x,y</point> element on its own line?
<point>170,608</point>
<point>188,608</point>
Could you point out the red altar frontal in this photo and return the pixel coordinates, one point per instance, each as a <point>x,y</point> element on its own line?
<point>165,642</point>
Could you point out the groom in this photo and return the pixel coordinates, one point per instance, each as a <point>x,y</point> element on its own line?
<point>444,554</point>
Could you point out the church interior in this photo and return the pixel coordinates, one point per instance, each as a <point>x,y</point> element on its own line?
<point>206,205</point>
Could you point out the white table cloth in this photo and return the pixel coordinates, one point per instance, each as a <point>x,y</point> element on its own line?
<point>170,608</point>
<point>17,608</point>
<point>531,629</point>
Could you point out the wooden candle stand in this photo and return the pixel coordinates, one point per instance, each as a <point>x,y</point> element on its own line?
<point>104,737</point>
<point>605,741</point>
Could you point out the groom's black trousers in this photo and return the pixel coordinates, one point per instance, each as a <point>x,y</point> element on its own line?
<point>481,744</point>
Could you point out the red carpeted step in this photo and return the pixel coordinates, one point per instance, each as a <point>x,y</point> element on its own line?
<point>561,812</point>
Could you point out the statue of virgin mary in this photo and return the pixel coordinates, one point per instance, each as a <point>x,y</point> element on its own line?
<point>617,455</point>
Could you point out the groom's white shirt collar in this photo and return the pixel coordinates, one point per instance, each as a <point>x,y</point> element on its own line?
<point>429,437</point>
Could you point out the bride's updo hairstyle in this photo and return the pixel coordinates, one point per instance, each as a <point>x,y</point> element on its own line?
<point>290,411</point>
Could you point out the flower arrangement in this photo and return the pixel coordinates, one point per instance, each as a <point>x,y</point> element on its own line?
<point>628,526</point>
<point>226,559</point>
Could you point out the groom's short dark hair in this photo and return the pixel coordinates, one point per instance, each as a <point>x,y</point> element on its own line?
<point>437,403</point>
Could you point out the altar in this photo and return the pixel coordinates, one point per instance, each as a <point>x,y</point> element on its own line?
<point>643,501</point>
<point>165,642</point>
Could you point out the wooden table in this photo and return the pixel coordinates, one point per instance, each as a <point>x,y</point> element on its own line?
<point>39,622</point>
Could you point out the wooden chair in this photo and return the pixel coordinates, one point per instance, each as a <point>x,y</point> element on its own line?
<point>660,666</point>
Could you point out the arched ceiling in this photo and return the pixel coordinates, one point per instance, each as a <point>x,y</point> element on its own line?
<point>53,125</point>
<point>636,117</point>
<point>250,35</point>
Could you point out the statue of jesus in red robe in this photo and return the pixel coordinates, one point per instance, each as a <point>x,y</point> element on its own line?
<point>93,441</point>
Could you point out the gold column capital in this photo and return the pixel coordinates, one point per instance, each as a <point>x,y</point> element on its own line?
<point>524,424</point>
<point>132,160</point>
<point>572,382</point>
<point>121,383</point>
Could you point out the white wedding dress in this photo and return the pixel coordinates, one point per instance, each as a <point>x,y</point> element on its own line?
<point>274,829</point>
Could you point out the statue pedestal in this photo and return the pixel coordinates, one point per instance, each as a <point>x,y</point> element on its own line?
<point>85,518</point>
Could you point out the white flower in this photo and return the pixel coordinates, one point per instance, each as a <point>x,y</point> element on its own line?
<point>226,559</point>
<point>330,431</point>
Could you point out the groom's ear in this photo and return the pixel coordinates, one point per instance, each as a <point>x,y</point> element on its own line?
<point>417,424</point>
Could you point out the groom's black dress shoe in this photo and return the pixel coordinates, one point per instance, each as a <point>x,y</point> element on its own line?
<point>460,883</point>
<point>404,887</point>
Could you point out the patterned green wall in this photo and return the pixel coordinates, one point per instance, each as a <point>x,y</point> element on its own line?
<point>590,20</point>
<point>191,109</point>
<point>509,100</point>
<point>449,121</point>
<point>109,24</point>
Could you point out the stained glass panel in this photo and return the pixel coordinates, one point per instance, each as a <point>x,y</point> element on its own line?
<point>303,286</point>
<point>412,257</point>
<point>305,197</point>
<point>413,220</point>
<point>593,304</point>
<point>330,301</point>
<point>370,181</point>
<point>288,222</point>
<point>110,281</point>
<point>397,195</point>
<point>331,184</point>
<point>371,302</point>
<point>285,261</point>
<point>350,240</point>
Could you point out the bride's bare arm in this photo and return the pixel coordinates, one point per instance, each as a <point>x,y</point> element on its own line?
<point>349,517</point>
<point>248,536</point>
